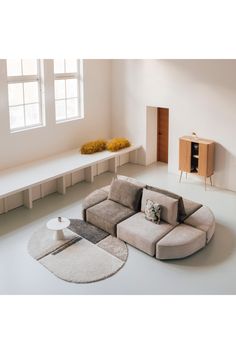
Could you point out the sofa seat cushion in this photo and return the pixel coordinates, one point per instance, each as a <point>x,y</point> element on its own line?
<point>107,214</point>
<point>190,207</point>
<point>141,233</point>
<point>181,210</point>
<point>126,193</point>
<point>204,220</point>
<point>92,199</point>
<point>169,206</point>
<point>180,242</point>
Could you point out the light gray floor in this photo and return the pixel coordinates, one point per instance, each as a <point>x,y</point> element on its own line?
<point>210,271</point>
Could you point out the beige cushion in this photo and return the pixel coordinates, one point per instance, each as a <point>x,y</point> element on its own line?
<point>190,207</point>
<point>181,242</point>
<point>106,188</point>
<point>131,180</point>
<point>204,220</point>
<point>141,233</point>
<point>107,214</point>
<point>169,206</point>
<point>125,193</point>
<point>181,210</point>
<point>92,199</point>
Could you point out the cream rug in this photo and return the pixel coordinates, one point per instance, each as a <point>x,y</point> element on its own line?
<point>76,259</point>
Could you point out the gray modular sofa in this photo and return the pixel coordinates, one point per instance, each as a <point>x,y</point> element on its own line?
<point>119,209</point>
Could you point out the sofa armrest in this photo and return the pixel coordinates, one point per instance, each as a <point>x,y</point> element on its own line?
<point>98,196</point>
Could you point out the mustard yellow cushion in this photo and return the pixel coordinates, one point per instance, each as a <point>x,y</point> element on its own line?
<point>116,144</point>
<point>93,146</point>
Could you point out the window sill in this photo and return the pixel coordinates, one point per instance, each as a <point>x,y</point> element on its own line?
<point>21,130</point>
<point>69,120</point>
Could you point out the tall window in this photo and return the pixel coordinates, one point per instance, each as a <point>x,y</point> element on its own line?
<point>68,89</point>
<point>24,94</point>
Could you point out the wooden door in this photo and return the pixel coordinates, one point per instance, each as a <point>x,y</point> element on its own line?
<point>162,134</point>
<point>184,155</point>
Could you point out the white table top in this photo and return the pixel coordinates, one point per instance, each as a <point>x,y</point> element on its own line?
<point>55,224</point>
<point>19,178</point>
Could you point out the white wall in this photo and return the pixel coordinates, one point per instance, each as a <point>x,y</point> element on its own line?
<point>21,147</point>
<point>200,95</point>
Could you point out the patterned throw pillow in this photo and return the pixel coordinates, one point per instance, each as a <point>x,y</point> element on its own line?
<point>153,211</point>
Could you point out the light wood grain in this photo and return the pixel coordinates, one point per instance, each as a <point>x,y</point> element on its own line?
<point>184,155</point>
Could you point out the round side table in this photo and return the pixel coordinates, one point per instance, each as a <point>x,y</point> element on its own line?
<point>58,225</point>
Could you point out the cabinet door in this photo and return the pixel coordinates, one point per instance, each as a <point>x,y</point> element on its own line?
<point>210,159</point>
<point>203,158</point>
<point>184,155</point>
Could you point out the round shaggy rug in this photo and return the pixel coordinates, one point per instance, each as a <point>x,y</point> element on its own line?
<point>86,254</point>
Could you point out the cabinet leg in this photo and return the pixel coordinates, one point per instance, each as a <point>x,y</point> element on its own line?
<point>211,181</point>
<point>180,176</point>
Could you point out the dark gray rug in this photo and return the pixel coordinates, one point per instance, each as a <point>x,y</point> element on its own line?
<point>87,231</point>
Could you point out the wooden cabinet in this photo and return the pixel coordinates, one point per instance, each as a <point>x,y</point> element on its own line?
<point>196,156</point>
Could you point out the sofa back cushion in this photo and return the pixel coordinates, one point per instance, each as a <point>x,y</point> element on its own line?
<point>126,193</point>
<point>131,180</point>
<point>181,208</point>
<point>169,206</point>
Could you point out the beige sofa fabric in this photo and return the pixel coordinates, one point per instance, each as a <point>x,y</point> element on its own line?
<point>204,220</point>
<point>181,210</point>
<point>92,199</point>
<point>106,188</point>
<point>169,206</point>
<point>190,207</point>
<point>181,242</point>
<point>131,180</point>
<point>126,193</point>
<point>107,214</point>
<point>141,233</point>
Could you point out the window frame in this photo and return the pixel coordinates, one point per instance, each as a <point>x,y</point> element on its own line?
<point>24,79</point>
<point>80,93</point>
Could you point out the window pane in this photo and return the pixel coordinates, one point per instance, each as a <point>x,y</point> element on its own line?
<point>71,66</point>
<point>59,66</point>
<point>32,114</point>
<point>60,110</point>
<point>31,92</point>
<point>72,108</point>
<point>14,67</point>
<point>71,88</point>
<point>60,89</point>
<point>16,117</point>
<point>29,67</point>
<point>15,94</point>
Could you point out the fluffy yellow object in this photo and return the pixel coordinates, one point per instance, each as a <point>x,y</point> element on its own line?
<point>93,146</point>
<point>116,144</point>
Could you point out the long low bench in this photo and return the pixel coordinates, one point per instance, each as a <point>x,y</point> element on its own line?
<point>25,177</point>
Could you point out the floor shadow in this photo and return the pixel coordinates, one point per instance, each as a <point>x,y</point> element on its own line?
<point>220,249</point>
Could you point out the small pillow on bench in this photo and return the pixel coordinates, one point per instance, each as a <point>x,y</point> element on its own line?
<point>126,193</point>
<point>169,206</point>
